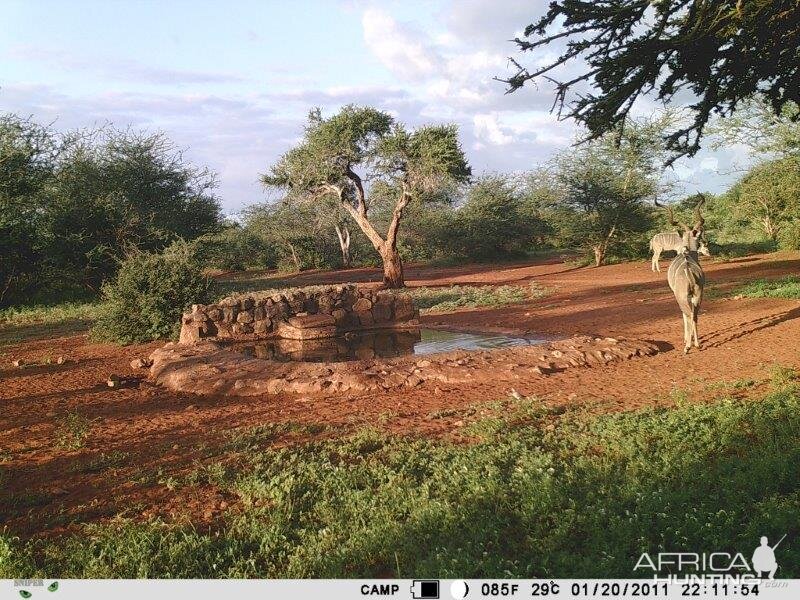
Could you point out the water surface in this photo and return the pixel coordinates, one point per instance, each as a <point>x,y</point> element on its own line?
<point>378,344</point>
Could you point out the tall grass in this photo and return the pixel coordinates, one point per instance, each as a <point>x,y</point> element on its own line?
<point>48,314</point>
<point>446,299</point>
<point>536,494</point>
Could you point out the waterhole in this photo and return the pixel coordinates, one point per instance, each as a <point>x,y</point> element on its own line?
<point>378,344</point>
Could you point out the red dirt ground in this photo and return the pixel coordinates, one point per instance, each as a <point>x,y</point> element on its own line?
<point>47,489</point>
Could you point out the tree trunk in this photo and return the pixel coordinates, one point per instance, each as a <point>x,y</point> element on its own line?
<point>344,243</point>
<point>770,228</point>
<point>601,248</point>
<point>599,254</point>
<point>392,268</point>
<point>295,258</point>
<point>392,265</point>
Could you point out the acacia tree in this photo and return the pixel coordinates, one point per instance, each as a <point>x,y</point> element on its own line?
<point>770,195</point>
<point>603,188</point>
<point>765,132</point>
<point>723,52</point>
<point>361,151</point>
<point>28,153</point>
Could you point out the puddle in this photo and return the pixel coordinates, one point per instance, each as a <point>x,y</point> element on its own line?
<point>378,344</point>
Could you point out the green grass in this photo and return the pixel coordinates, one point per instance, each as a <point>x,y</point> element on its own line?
<point>71,432</point>
<point>101,462</point>
<point>784,287</point>
<point>19,323</point>
<point>536,494</point>
<point>48,315</point>
<point>446,299</point>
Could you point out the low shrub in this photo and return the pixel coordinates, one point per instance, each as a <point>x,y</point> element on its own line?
<point>146,299</point>
<point>789,236</point>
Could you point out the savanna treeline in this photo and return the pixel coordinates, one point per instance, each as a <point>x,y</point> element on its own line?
<point>73,205</point>
<point>360,189</point>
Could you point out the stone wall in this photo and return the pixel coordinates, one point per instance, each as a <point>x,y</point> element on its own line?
<point>307,313</point>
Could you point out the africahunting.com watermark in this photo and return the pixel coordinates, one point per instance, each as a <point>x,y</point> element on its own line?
<point>671,566</point>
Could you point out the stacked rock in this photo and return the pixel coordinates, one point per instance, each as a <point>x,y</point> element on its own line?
<point>276,314</point>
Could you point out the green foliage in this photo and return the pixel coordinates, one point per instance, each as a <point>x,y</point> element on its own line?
<point>339,153</point>
<point>446,299</point>
<point>765,131</point>
<point>601,209</point>
<point>27,155</point>
<point>789,235</point>
<point>493,222</point>
<point>72,205</point>
<point>296,236</point>
<point>236,248</point>
<point>784,287</point>
<point>149,294</point>
<point>48,315</point>
<point>769,195</point>
<point>782,376</point>
<point>537,494</point>
<point>72,431</point>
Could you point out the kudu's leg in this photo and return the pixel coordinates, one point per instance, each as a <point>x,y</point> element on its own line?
<point>695,311</point>
<point>687,333</point>
<point>654,264</point>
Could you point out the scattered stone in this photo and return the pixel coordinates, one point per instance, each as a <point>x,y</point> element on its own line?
<point>175,446</point>
<point>515,394</point>
<point>61,360</point>
<point>223,505</point>
<point>413,381</point>
<point>141,363</point>
<point>208,368</point>
<point>114,381</point>
<point>19,363</point>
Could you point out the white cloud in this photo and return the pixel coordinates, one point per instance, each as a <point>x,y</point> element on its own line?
<point>487,128</point>
<point>401,48</point>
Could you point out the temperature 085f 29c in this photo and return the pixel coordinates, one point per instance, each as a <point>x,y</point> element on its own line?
<point>545,588</point>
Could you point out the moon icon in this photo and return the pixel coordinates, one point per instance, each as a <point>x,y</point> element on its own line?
<point>459,589</point>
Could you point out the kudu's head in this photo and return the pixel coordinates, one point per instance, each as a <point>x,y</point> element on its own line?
<point>694,241</point>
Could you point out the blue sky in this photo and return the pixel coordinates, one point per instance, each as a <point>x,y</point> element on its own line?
<point>232,81</point>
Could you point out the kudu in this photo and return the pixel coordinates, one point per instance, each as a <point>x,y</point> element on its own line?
<point>686,277</point>
<point>671,240</point>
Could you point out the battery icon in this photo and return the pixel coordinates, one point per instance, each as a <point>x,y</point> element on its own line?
<point>422,589</point>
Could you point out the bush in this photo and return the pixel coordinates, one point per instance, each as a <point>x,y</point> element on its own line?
<point>789,236</point>
<point>149,294</point>
<point>236,248</point>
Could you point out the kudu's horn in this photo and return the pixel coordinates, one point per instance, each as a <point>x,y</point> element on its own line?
<point>699,221</point>
<point>672,220</point>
